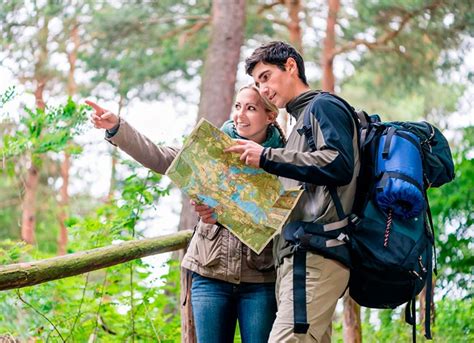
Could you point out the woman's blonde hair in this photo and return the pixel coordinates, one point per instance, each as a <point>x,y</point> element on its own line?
<point>268,106</point>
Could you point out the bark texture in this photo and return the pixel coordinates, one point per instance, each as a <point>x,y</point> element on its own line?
<point>28,218</point>
<point>351,319</point>
<point>329,47</point>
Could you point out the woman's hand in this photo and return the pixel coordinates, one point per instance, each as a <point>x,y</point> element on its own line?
<point>205,213</point>
<point>102,118</point>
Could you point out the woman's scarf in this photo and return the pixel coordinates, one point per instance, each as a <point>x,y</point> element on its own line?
<point>273,140</point>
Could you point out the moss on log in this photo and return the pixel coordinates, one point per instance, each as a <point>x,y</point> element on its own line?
<point>32,273</point>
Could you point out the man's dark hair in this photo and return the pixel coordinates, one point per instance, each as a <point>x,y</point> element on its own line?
<point>275,53</point>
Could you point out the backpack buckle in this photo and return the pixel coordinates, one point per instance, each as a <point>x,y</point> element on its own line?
<point>343,237</point>
<point>302,131</point>
<point>303,239</point>
<point>354,219</point>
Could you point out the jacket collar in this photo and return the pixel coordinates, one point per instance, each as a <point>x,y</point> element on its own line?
<point>296,106</point>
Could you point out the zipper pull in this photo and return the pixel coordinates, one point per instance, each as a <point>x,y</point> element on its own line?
<point>421,264</point>
<point>417,275</point>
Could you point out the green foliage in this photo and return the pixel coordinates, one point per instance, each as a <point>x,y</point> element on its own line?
<point>10,211</point>
<point>43,131</point>
<point>258,26</point>
<point>28,39</point>
<point>452,324</point>
<point>452,206</point>
<point>117,219</point>
<point>113,304</point>
<point>38,135</point>
<point>7,96</point>
<point>432,101</point>
<point>144,49</point>
<point>96,304</point>
<point>11,251</point>
<point>412,54</point>
<point>454,321</point>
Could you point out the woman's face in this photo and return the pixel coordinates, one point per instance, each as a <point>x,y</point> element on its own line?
<point>250,118</point>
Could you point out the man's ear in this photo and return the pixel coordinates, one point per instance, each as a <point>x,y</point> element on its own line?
<point>290,65</point>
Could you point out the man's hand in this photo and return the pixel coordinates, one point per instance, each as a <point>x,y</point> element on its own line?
<point>102,118</point>
<point>205,212</point>
<point>249,150</point>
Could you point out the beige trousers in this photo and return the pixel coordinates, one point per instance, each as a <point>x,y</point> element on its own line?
<point>326,281</point>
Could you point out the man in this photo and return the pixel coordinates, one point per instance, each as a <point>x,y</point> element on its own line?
<point>278,71</point>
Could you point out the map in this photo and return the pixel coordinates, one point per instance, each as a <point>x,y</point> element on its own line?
<point>248,201</point>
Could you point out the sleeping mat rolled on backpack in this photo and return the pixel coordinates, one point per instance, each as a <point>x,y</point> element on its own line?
<point>400,173</point>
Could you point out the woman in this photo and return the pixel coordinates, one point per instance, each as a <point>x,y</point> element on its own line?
<point>229,281</point>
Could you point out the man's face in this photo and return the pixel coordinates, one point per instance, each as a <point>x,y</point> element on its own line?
<point>275,84</point>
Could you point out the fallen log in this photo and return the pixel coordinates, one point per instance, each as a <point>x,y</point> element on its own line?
<point>25,274</point>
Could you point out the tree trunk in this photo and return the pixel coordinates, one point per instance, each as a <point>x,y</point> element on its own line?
<point>294,27</point>
<point>422,298</point>
<point>296,39</point>
<point>66,164</point>
<point>217,92</point>
<point>28,218</point>
<point>329,46</point>
<point>63,205</point>
<point>32,273</point>
<point>351,319</point>
<point>220,67</point>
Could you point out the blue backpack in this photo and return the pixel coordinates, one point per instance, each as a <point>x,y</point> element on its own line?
<point>388,236</point>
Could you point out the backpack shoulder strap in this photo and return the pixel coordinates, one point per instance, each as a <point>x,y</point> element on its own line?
<point>307,131</point>
<point>300,319</point>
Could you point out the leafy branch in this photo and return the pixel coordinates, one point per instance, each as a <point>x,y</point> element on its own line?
<point>7,96</point>
<point>45,130</point>
<point>39,313</point>
<point>76,318</point>
<point>384,39</point>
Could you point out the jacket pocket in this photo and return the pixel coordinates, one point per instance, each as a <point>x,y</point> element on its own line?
<point>207,245</point>
<point>208,231</point>
<point>262,262</point>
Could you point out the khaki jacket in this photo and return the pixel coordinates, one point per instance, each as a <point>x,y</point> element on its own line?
<point>213,251</point>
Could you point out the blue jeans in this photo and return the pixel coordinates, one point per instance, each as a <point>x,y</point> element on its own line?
<point>217,305</point>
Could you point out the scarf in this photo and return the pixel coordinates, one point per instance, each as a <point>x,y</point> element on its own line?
<point>273,140</point>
